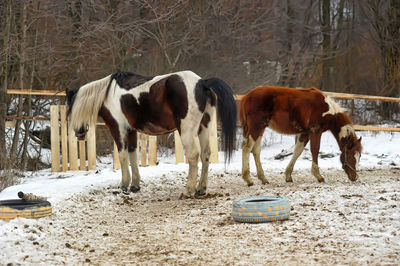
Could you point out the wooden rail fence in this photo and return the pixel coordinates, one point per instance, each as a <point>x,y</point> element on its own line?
<point>67,153</point>
<point>70,154</point>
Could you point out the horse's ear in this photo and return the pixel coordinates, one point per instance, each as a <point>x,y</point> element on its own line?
<point>359,140</point>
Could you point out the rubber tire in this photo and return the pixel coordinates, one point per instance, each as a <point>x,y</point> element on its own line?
<point>261,209</point>
<point>10,209</point>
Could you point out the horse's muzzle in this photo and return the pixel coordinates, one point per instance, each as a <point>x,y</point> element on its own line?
<point>81,132</point>
<point>80,136</point>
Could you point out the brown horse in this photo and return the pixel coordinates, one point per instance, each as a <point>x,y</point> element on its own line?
<point>306,113</point>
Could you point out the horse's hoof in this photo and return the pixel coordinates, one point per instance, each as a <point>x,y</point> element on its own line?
<point>134,189</point>
<point>200,193</point>
<point>249,184</point>
<point>321,180</point>
<point>124,189</point>
<point>289,180</point>
<point>183,197</point>
<point>264,181</point>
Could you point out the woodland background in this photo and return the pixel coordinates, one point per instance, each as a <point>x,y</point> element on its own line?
<point>334,45</point>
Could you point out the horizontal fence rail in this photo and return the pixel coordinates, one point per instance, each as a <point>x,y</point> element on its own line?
<point>337,95</point>
<point>70,154</point>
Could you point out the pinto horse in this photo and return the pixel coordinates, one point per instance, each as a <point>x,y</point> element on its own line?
<point>306,113</point>
<point>129,102</point>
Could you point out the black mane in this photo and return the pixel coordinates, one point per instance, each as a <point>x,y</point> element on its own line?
<point>129,80</point>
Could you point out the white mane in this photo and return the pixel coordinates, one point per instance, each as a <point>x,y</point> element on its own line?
<point>87,103</point>
<point>345,131</point>
<point>334,108</point>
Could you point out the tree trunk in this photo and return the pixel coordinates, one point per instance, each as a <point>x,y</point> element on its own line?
<point>288,47</point>
<point>3,89</point>
<point>391,50</point>
<point>326,45</point>
<point>21,83</point>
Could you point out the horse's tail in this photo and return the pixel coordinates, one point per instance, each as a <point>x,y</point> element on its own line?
<point>87,102</point>
<point>227,112</point>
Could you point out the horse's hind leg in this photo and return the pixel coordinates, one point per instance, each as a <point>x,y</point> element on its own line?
<point>126,176</point>
<point>205,160</point>
<point>256,154</point>
<point>132,150</point>
<point>247,147</point>
<point>301,142</point>
<point>315,140</point>
<point>192,153</point>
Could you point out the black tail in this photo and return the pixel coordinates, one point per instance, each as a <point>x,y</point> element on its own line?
<point>227,112</point>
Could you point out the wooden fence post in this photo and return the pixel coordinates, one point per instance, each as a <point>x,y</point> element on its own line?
<point>55,139</point>
<point>152,150</point>
<point>73,150</point>
<point>82,155</point>
<point>91,147</point>
<point>178,148</point>
<point>116,163</point>
<point>64,137</point>
<point>143,149</point>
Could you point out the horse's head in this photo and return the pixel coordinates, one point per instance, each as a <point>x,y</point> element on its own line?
<point>351,153</point>
<point>80,130</point>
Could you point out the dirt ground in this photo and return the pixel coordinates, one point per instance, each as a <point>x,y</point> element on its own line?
<point>338,222</point>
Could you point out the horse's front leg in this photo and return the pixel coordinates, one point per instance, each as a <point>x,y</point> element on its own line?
<point>192,154</point>
<point>126,176</point>
<point>256,154</point>
<point>315,140</point>
<point>132,151</point>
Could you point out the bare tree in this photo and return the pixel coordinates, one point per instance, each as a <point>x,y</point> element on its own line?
<point>4,75</point>
<point>384,17</point>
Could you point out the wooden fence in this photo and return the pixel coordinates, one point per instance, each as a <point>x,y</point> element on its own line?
<point>67,153</point>
<point>70,154</point>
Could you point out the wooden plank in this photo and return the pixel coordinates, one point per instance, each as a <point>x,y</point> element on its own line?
<point>36,92</point>
<point>64,137</point>
<point>152,150</point>
<point>213,139</point>
<point>91,147</point>
<point>82,155</point>
<point>339,95</point>
<point>116,162</point>
<point>24,117</point>
<point>178,148</point>
<point>10,124</point>
<point>143,149</point>
<point>73,150</point>
<point>374,128</point>
<point>55,139</point>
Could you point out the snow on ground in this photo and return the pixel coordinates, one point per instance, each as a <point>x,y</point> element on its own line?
<point>338,222</point>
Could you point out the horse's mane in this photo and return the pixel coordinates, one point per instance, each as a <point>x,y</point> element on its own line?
<point>88,101</point>
<point>90,97</point>
<point>129,80</point>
